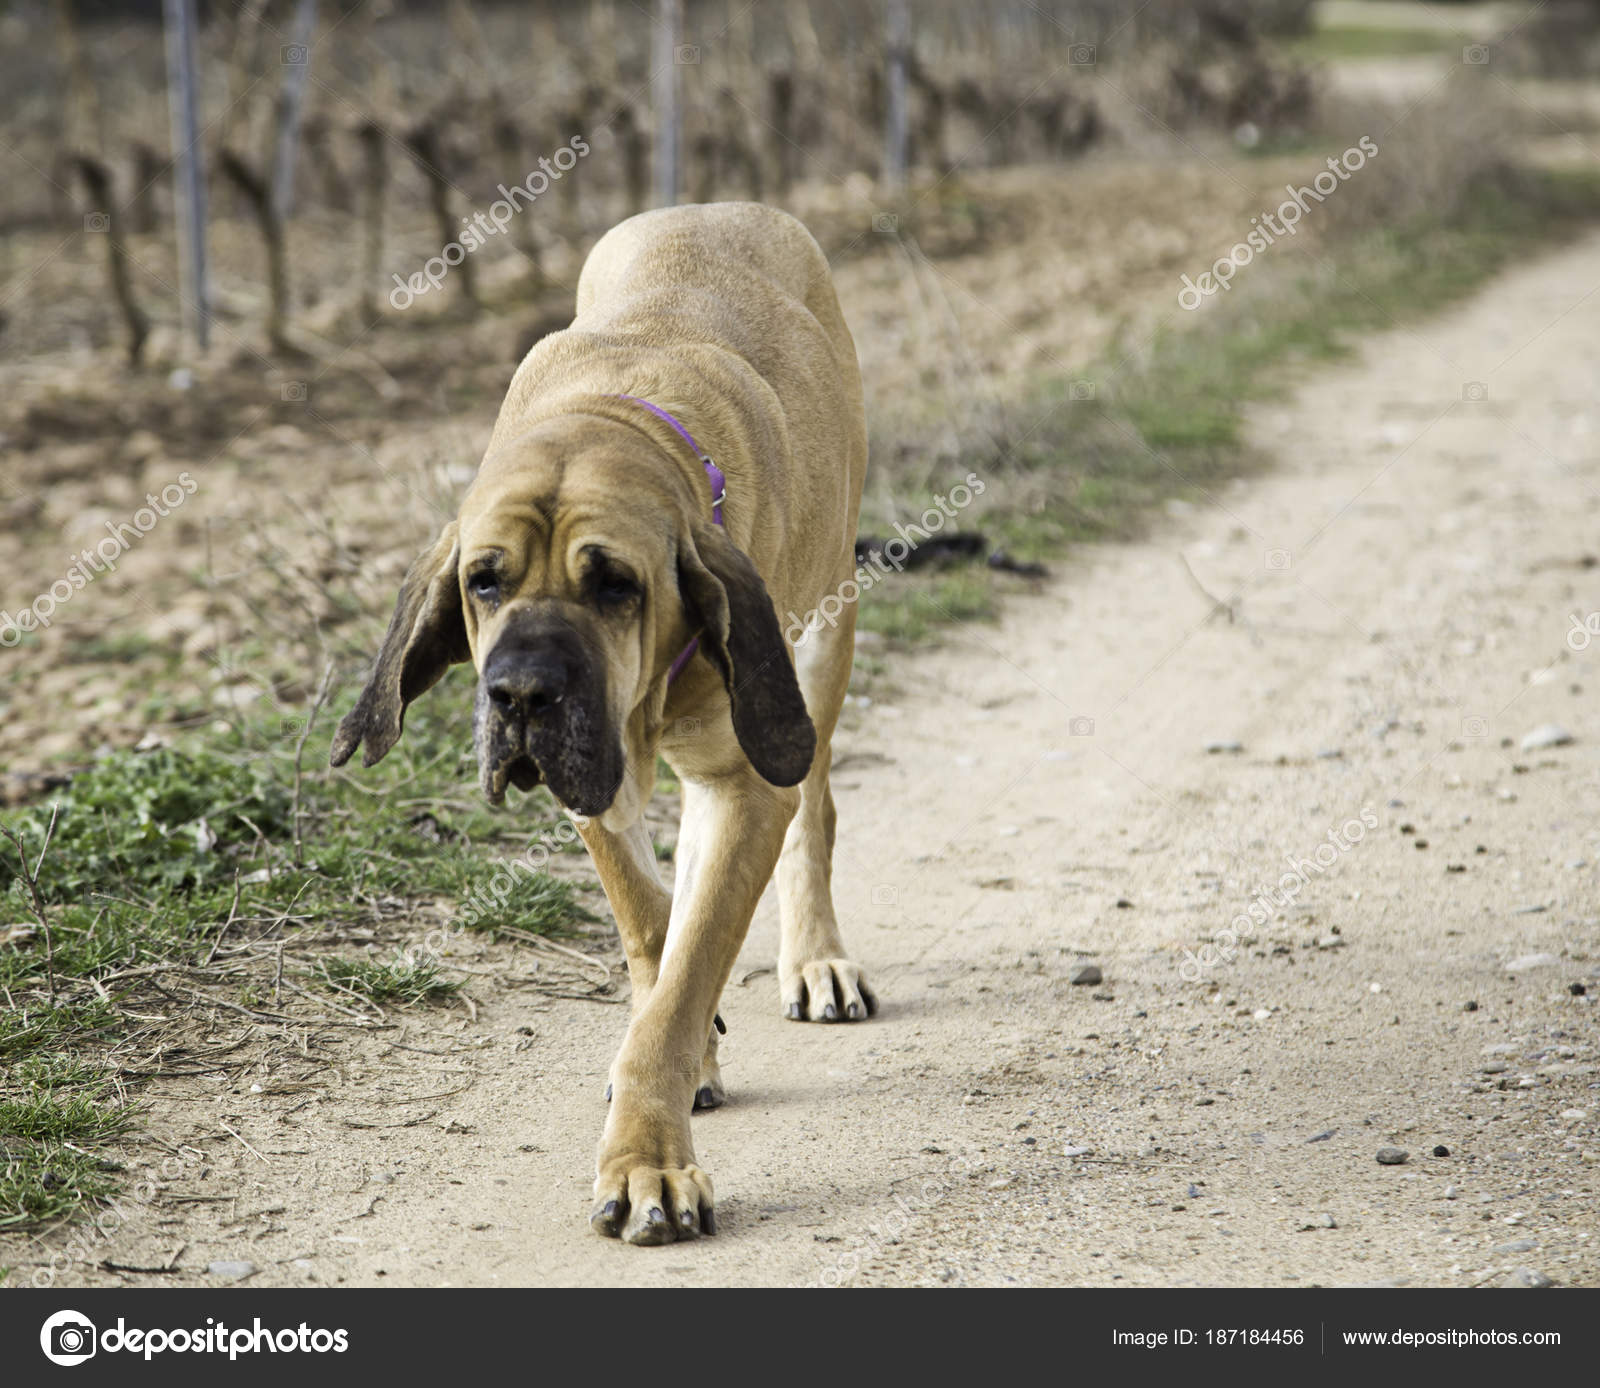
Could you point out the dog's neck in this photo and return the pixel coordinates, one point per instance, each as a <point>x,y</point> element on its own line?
<point>719,494</point>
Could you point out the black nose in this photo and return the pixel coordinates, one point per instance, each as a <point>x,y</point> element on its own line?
<point>526,682</point>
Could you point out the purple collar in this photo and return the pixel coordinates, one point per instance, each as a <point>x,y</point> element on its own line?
<point>719,494</point>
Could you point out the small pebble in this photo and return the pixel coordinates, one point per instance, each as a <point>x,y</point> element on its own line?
<point>1516,1246</point>
<point>235,1270</point>
<point>1393,1156</point>
<point>1546,735</point>
<point>1441,1151</point>
<point>1526,1277</point>
<point>1523,963</point>
<point>1085,974</point>
<point>1577,989</point>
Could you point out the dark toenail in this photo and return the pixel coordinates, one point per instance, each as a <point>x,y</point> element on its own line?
<point>794,1012</point>
<point>720,1025</point>
<point>708,1222</point>
<point>610,1211</point>
<point>704,1096</point>
<point>830,1013</point>
<point>855,1012</point>
<point>608,1093</point>
<point>656,1216</point>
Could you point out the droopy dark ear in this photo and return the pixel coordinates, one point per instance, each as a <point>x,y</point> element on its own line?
<point>426,636</point>
<point>726,599</point>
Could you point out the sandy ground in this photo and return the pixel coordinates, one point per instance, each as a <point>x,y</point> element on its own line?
<point>1039,796</point>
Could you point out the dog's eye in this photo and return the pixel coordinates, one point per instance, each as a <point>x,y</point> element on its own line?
<point>484,585</point>
<point>614,587</point>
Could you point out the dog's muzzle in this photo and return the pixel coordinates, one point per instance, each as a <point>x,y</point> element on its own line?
<point>540,715</point>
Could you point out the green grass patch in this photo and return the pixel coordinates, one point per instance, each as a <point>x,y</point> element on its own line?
<point>46,1117</point>
<point>40,1183</point>
<point>908,608</point>
<point>535,903</point>
<point>51,1110</point>
<point>114,648</point>
<point>32,1031</point>
<point>1346,42</point>
<point>402,979</point>
<point>1095,468</point>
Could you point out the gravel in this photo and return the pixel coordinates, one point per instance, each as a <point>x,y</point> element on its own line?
<point>1393,1156</point>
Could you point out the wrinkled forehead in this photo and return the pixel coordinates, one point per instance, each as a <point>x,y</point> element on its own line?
<point>569,483</point>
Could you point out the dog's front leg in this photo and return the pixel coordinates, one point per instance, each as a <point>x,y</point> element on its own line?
<point>648,1189</point>
<point>626,862</point>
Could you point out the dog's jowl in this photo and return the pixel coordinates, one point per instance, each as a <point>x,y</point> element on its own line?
<point>665,476</point>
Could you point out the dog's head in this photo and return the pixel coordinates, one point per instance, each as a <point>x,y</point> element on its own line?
<point>576,571</point>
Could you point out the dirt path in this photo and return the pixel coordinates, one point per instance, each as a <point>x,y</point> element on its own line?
<point>997,1123</point>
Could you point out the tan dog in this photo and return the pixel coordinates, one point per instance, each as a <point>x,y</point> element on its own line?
<point>585,559</point>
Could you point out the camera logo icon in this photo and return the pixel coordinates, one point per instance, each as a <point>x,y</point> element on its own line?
<point>1081,727</point>
<point>1081,55</point>
<point>687,54</point>
<point>885,895</point>
<point>1475,54</point>
<point>292,391</point>
<point>293,54</point>
<point>1277,559</point>
<point>97,221</point>
<point>68,1338</point>
<point>886,223</point>
<point>1474,390</point>
<point>1080,390</point>
<point>1474,727</point>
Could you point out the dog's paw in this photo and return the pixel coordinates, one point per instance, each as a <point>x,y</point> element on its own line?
<point>826,990</point>
<point>647,1205</point>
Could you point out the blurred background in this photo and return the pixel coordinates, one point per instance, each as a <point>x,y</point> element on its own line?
<point>217,217</point>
